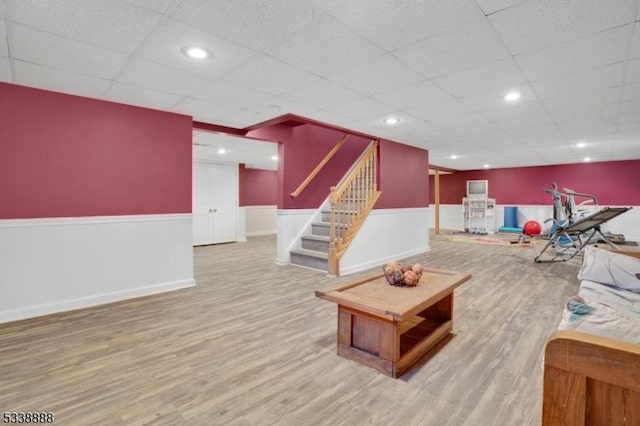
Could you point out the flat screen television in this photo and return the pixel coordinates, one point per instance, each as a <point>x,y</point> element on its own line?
<point>477,188</point>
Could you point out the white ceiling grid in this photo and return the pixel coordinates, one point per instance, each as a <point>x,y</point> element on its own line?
<point>441,66</point>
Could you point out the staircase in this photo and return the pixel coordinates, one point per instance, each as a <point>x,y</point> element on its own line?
<point>314,253</point>
<point>350,203</point>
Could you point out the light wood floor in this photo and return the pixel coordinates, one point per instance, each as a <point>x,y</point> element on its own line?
<point>251,345</point>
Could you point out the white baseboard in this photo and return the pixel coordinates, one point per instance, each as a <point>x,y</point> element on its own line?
<point>95,300</point>
<point>259,233</point>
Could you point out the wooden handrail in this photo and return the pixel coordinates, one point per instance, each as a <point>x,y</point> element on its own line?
<point>354,172</point>
<point>351,201</point>
<point>319,167</point>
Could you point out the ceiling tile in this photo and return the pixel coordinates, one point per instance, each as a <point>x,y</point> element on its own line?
<point>322,94</point>
<point>585,81</point>
<point>157,5</point>
<point>1,8</point>
<point>438,109</point>
<point>600,115</point>
<point>497,75</point>
<point>626,119</point>
<point>628,130</point>
<point>530,115</point>
<point>471,120</point>
<point>493,104</point>
<point>378,75</point>
<point>580,100</point>
<point>537,24</point>
<point>633,71</point>
<point>165,46</point>
<point>238,119</point>
<point>413,96</point>
<point>577,55</point>
<point>329,118</point>
<point>114,24</point>
<point>634,51</point>
<point>625,151</point>
<point>361,108</point>
<point>62,53</point>
<point>630,107</point>
<point>277,106</point>
<point>492,6</point>
<point>161,78</point>
<point>395,23</point>
<point>256,24</point>
<point>584,133</point>
<point>133,95</point>
<point>199,110</point>
<point>270,75</point>
<point>229,95</point>
<point>33,75</point>
<point>535,137</point>
<point>326,47</point>
<point>4,50</point>
<point>461,48</point>
<point>631,92</point>
<point>5,70</point>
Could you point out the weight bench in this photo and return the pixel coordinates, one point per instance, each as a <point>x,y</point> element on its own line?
<point>578,234</point>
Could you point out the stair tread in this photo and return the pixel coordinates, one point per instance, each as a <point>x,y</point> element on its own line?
<point>326,224</point>
<point>311,253</point>
<point>315,237</point>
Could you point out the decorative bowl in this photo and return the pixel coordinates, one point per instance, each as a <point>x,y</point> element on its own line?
<point>402,274</point>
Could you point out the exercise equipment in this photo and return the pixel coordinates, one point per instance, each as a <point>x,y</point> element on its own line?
<point>532,227</point>
<point>575,225</point>
<point>510,221</point>
<point>511,217</point>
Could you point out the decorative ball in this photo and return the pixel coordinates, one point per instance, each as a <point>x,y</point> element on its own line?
<point>532,227</point>
<point>410,278</point>
<point>402,275</point>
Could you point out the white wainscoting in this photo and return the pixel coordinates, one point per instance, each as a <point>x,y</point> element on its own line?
<point>627,224</point>
<point>290,224</point>
<point>261,220</point>
<point>59,264</point>
<point>388,234</point>
<point>241,226</point>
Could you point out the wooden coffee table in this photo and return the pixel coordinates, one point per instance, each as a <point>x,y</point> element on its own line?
<point>390,328</point>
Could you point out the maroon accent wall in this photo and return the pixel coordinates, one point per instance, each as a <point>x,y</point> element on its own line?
<point>613,182</point>
<point>300,151</point>
<point>404,176</point>
<point>258,187</point>
<point>66,156</point>
<point>404,172</point>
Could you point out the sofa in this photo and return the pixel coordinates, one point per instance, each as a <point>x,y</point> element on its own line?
<point>592,363</point>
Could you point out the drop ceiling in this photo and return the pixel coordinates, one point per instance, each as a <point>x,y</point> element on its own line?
<point>442,67</point>
<point>221,148</point>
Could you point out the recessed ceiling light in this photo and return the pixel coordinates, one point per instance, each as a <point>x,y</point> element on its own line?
<point>513,96</point>
<point>195,52</point>
<point>581,144</point>
<point>587,159</point>
<point>274,157</point>
<point>454,156</point>
<point>391,120</point>
<point>486,166</point>
<point>222,151</point>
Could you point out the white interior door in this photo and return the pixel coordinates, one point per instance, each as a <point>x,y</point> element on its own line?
<point>215,203</point>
